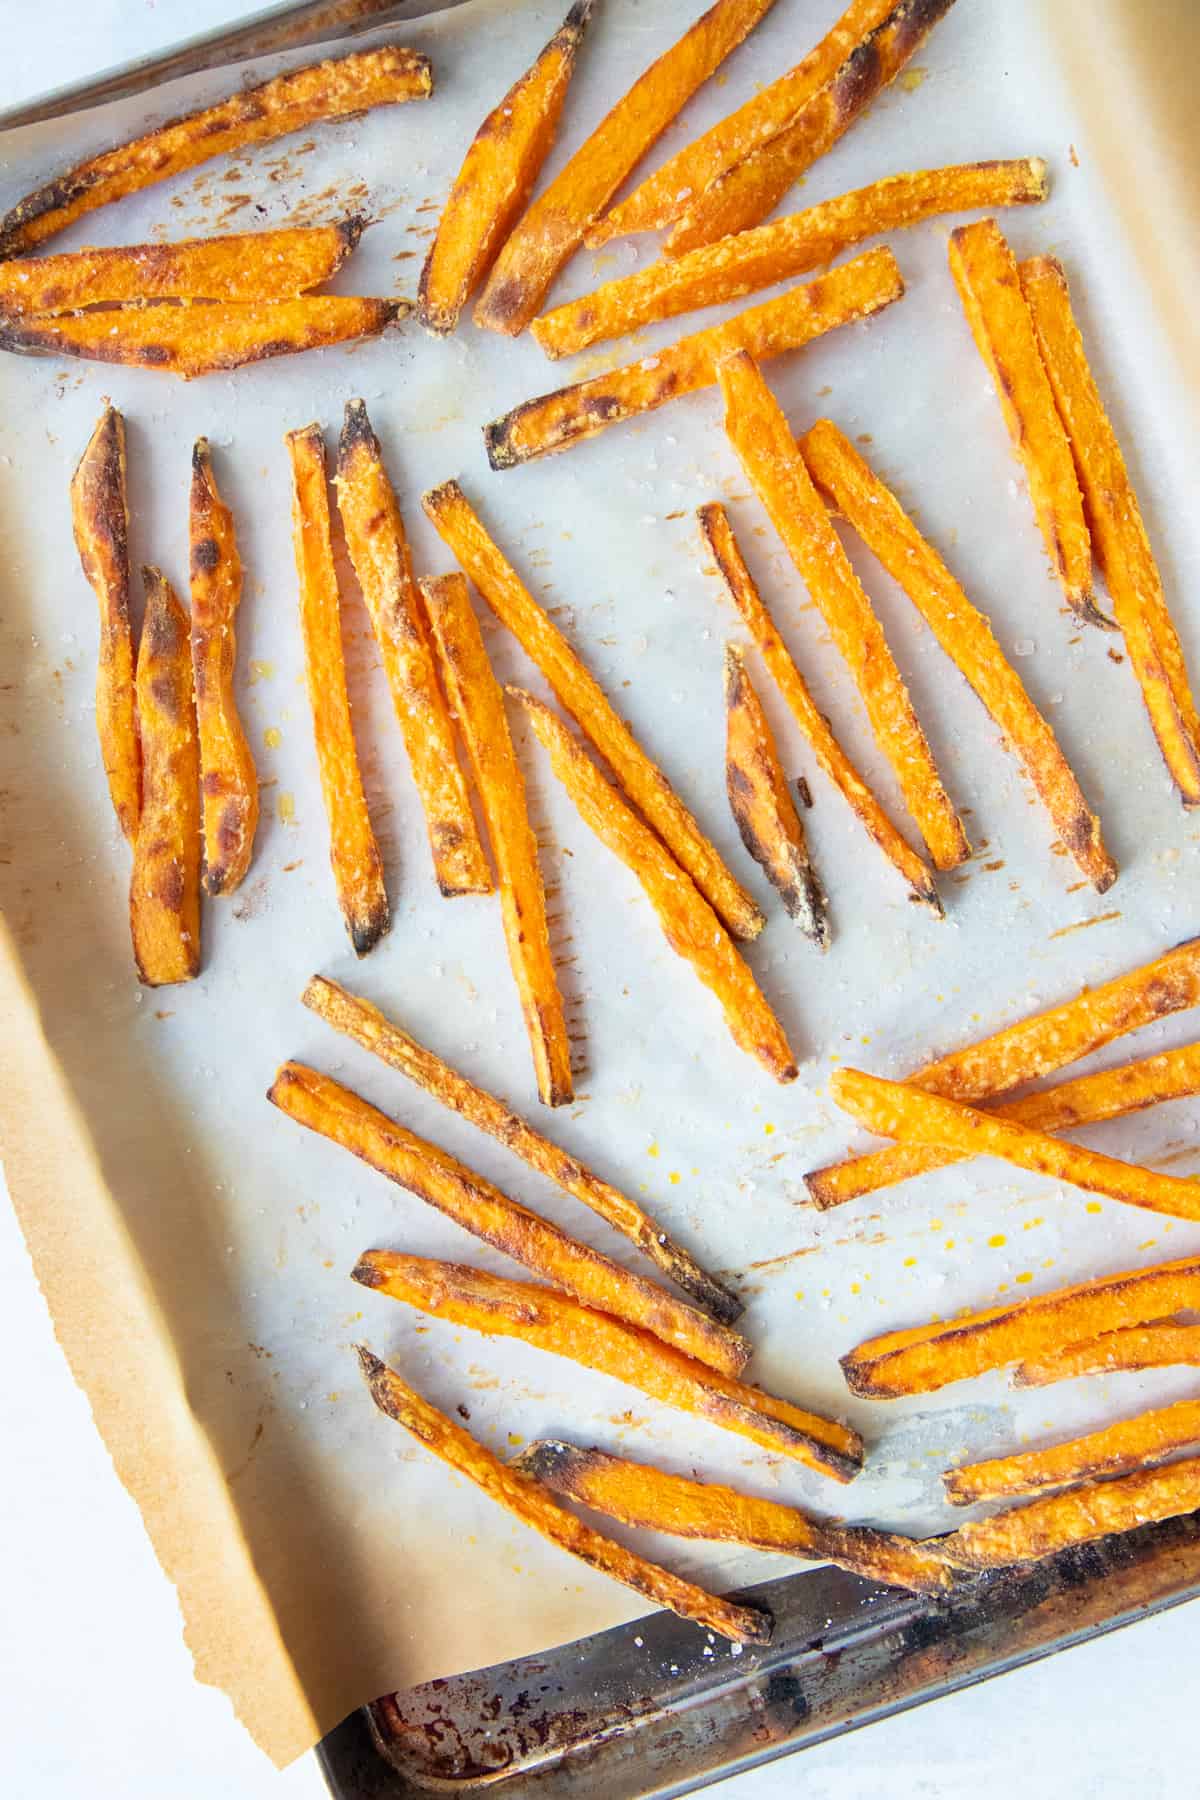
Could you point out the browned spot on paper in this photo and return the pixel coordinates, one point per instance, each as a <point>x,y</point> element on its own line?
<point>1083,924</point>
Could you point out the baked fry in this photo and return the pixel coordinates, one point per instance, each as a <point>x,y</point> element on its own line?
<point>1133,1443</point>
<point>493,186</point>
<point>100,517</point>
<point>331,1110</point>
<point>1163,1346</point>
<point>760,434</point>
<point>581,694</point>
<point>1086,1513</point>
<point>553,227</point>
<point>353,853</point>
<point>290,102</point>
<point>555,421</point>
<point>560,1325</point>
<point>532,1505</point>
<point>689,924</point>
<point>358,1019</point>
<point>479,708</point>
<point>164,887</point>
<point>378,546</point>
<point>1118,530</point>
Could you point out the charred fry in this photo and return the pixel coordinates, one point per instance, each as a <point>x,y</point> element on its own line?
<point>164,887</point>
<point>1131,1444</point>
<point>1079,1517</point>
<point>1132,1347</point>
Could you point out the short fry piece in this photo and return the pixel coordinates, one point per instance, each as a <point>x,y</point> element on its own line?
<point>581,694</point>
<point>290,102</point>
<point>353,852</point>
<point>554,225</point>
<point>1131,1444</point>
<point>497,177</point>
<point>529,1502</point>
<point>358,1019</point>
<point>326,1107</point>
<point>689,923</point>
<point>560,1325</point>
<point>479,708</point>
<point>378,546</point>
<point>164,887</point>
<point>1080,1517</point>
<point>1118,529</point>
<point>1132,1347</point>
<point>555,421</point>
<point>100,516</point>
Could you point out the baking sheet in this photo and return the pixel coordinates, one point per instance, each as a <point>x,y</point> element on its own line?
<point>194,1246</point>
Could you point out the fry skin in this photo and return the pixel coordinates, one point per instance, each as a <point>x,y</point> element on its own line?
<point>100,518</point>
<point>164,886</point>
<point>1132,1347</point>
<point>353,853</point>
<point>527,1501</point>
<point>1131,1444</point>
<point>689,923</point>
<point>378,546</point>
<point>1081,1516</point>
<point>555,421</point>
<point>560,1325</point>
<point>326,1107</point>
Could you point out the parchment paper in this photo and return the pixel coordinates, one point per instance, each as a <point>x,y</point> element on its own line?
<point>194,1246</point>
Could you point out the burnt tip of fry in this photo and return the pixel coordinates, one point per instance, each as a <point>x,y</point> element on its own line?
<point>351,228</point>
<point>540,1459</point>
<point>370,1364</point>
<point>365,1272</point>
<point>357,431</point>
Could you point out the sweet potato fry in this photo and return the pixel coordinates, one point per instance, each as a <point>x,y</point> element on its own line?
<point>378,546</point>
<point>353,853</point>
<point>690,925</point>
<point>730,565</point>
<point>583,697</point>
<point>760,434</point>
<point>1086,1513</point>
<point>529,1502</point>
<point>553,227</point>
<point>100,517</point>
<point>555,421</point>
<point>642,1496</point>
<point>358,1019</point>
<point>1132,1347</point>
<point>326,1107</point>
<point>1118,530</point>
<point>560,1325</point>
<point>493,186</point>
<point>290,102</point>
<point>1133,1443</point>
<point>164,887</point>
<point>479,708</point>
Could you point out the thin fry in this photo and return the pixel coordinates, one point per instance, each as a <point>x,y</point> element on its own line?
<point>164,886</point>
<point>1132,1347</point>
<point>532,1505</point>
<point>555,421</point>
<point>560,1325</point>
<point>1094,1511</point>
<point>1130,1444</point>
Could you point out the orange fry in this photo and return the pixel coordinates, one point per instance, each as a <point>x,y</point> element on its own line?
<point>1079,1517</point>
<point>164,886</point>
<point>1132,1347</point>
<point>1131,1444</point>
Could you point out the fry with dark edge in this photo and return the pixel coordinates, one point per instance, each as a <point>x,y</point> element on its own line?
<point>331,1110</point>
<point>555,421</point>
<point>553,227</point>
<point>353,853</point>
<point>689,924</point>
<point>164,886</point>
<point>359,1020</point>
<point>1163,1346</point>
<point>1118,530</point>
<point>529,1502</point>
<point>851,486</point>
<point>492,188</point>
<point>552,1321</point>
<point>1130,1444</point>
<point>1079,1517</point>
<point>289,102</point>
<point>100,518</point>
<point>378,546</point>
<point>644,783</point>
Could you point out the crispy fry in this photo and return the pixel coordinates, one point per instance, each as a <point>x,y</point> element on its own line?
<point>1132,1347</point>
<point>1118,530</point>
<point>367,1026</point>
<point>333,1111</point>
<point>556,1323</point>
<point>849,483</point>
<point>290,102</point>
<point>353,853</point>
<point>529,1502</point>
<point>553,227</point>
<point>760,434</point>
<point>690,925</point>
<point>493,186</point>
<point>378,546</point>
<point>1133,1443</point>
<point>1080,1517</point>
<point>100,517</point>
<point>479,708</point>
<point>164,887</point>
<point>555,421</point>
<point>583,697</point>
